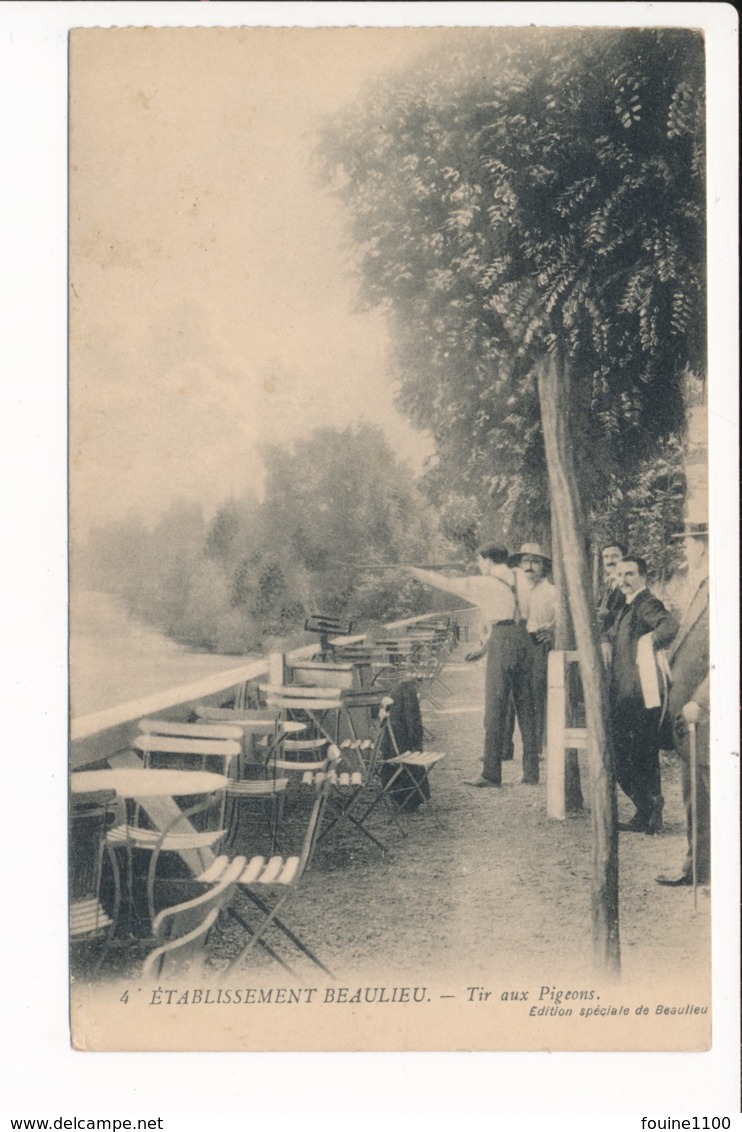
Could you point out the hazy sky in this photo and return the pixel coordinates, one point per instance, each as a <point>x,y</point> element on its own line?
<point>211,304</point>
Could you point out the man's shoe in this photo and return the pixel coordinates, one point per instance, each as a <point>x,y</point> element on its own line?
<point>675,882</point>
<point>529,782</point>
<point>481,781</point>
<point>638,824</point>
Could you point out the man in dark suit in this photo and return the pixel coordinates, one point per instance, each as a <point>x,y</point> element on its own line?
<point>611,598</point>
<point>635,725</point>
<point>689,700</point>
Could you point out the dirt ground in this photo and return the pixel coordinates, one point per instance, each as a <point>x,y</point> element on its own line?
<point>501,888</point>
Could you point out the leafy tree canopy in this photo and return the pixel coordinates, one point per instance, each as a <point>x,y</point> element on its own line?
<point>526,190</point>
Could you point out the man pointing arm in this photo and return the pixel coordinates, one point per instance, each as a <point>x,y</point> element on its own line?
<point>509,659</point>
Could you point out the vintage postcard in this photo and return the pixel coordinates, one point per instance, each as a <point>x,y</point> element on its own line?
<point>392,592</point>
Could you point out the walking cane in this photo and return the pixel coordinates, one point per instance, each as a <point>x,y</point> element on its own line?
<point>691,715</point>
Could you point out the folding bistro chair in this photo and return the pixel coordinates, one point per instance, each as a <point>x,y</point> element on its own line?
<point>403,770</point>
<point>410,771</point>
<point>267,886</point>
<point>187,748</point>
<point>357,786</point>
<point>184,928</point>
<point>327,626</point>
<point>321,674</point>
<point>312,706</point>
<point>260,787</point>
<point>300,756</point>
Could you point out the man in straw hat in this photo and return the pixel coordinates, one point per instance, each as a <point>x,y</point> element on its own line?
<point>537,598</point>
<point>509,660</point>
<point>689,705</point>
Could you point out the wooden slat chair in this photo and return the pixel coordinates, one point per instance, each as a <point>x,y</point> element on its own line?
<point>321,674</point>
<point>349,653</point>
<point>404,777</point>
<point>258,781</point>
<point>418,657</point>
<point>263,729</point>
<point>267,885</point>
<point>327,626</point>
<point>90,815</point>
<point>356,785</point>
<point>356,781</point>
<point>165,744</point>
<point>183,929</point>
<point>300,756</point>
<point>255,723</point>
<point>311,705</point>
<point>401,786</point>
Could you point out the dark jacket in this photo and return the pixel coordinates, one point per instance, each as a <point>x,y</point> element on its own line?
<point>611,603</point>
<point>689,655</point>
<point>645,614</point>
<point>406,724</point>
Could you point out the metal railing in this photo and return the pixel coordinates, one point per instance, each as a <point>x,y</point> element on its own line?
<point>107,735</point>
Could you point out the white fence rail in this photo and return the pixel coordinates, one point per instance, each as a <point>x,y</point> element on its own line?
<point>103,735</point>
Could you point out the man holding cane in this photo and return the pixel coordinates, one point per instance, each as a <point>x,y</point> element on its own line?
<point>689,712</point>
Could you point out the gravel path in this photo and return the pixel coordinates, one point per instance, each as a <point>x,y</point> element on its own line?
<point>502,888</point>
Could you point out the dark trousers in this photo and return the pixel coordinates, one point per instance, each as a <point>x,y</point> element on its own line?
<point>540,650</point>
<point>509,674</point>
<point>703,797</point>
<point>637,752</point>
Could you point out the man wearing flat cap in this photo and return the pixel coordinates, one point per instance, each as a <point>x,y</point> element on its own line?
<point>537,599</point>
<point>689,705</point>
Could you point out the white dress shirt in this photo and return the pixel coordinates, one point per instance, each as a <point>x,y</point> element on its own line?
<point>493,594</point>
<point>537,603</point>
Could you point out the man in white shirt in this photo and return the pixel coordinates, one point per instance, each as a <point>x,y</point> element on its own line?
<point>509,660</point>
<point>537,598</point>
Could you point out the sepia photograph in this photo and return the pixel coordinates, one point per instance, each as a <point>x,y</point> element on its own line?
<point>390,588</point>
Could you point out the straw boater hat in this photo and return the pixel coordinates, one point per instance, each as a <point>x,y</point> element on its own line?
<point>534,550</point>
<point>693,530</point>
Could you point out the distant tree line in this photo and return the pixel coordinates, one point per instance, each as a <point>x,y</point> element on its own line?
<point>334,504</point>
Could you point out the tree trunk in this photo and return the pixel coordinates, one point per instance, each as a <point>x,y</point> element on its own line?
<point>554,397</point>
<point>564,639</point>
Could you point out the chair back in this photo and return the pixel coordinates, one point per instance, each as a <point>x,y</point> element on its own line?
<point>324,674</point>
<point>321,623</point>
<point>176,729</point>
<point>183,928</point>
<point>172,742</point>
<point>300,755</point>
<point>291,697</point>
<point>229,715</point>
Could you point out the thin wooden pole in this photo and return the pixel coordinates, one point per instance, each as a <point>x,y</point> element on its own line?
<point>554,398</point>
<point>564,638</point>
